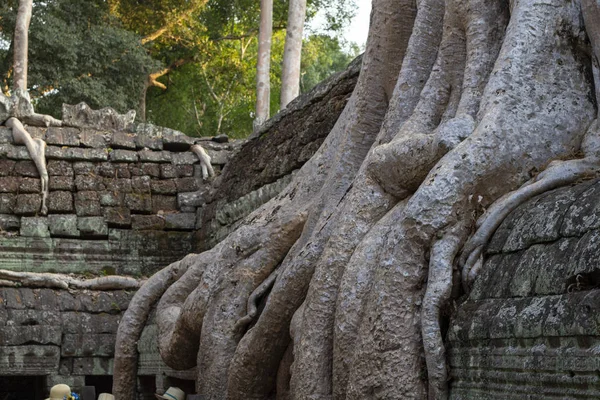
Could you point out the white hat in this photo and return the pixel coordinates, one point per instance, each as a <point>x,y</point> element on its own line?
<point>106,396</point>
<point>58,392</point>
<point>172,393</point>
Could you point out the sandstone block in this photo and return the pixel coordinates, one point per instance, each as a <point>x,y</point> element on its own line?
<point>118,185</point>
<point>117,217</point>
<point>27,204</point>
<point>176,141</point>
<point>185,158</point>
<point>75,154</point>
<point>26,168</point>
<point>184,170</point>
<point>34,227</point>
<point>167,186</point>
<point>180,221</point>
<point>29,185</point>
<point>9,184</point>
<point>5,135</point>
<point>87,203</point>
<point>89,344</point>
<point>110,199</point>
<point>147,222</point>
<point>84,167</point>
<point>29,359</point>
<point>151,169</point>
<point>163,203</point>
<point>106,170</point>
<point>20,335</point>
<point>9,222</point>
<point>62,136</point>
<point>88,182</point>
<point>7,203</point>
<point>139,202</point>
<point>6,166</point>
<point>154,156</point>
<point>14,152</point>
<point>123,156</point>
<point>192,199</point>
<point>141,183</point>
<point>187,184</point>
<point>59,168</point>
<point>92,138</point>
<point>63,225</point>
<point>60,202</point>
<point>122,170</point>
<point>122,140</point>
<point>150,142</point>
<point>92,226</point>
<point>168,171</point>
<point>61,183</point>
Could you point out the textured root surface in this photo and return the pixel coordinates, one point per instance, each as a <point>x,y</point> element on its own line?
<point>60,281</point>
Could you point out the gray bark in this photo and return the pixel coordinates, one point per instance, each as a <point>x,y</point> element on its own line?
<point>292,52</point>
<point>263,63</point>
<point>21,44</point>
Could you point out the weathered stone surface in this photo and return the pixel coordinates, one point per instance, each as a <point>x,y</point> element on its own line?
<point>29,185</point>
<point>176,141</point>
<point>88,182</point>
<point>186,158</point>
<point>93,138</point>
<point>81,116</point>
<point>9,184</point>
<point>75,154</point>
<point>34,227</point>
<point>93,366</point>
<point>62,136</point>
<point>92,227</point>
<point>180,221</point>
<point>167,186</point>
<point>185,171</point>
<point>6,166</point>
<point>29,360</point>
<point>59,168</point>
<point>60,202</point>
<point>87,203</point>
<point>122,170</point>
<point>123,156</point>
<point>163,203</point>
<point>192,199</point>
<point>7,203</point>
<point>150,169</point>
<point>145,222</point>
<point>168,171</point>
<point>89,344</point>
<point>141,183</point>
<point>154,156</point>
<point>111,199</point>
<point>63,225</point>
<point>149,142</point>
<point>5,135</point>
<point>27,204</point>
<point>117,217</point>
<point>84,168</point>
<point>20,335</point>
<point>61,183</point>
<point>187,184</point>
<point>122,140</point>
<point>26,168</point>
<point>139,202</point>
<point>118,185</point>
<point>221,157</point>
<point>35,317</point>
<point>14,152</point>
<point>106,170</point>
<point>9,222</point>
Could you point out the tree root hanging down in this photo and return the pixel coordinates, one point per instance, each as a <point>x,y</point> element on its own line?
<point>207,169</point>
<point>67,282</point>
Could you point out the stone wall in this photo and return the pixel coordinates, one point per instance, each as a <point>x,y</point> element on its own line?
<point>530,329</point>
<point>119,202</point>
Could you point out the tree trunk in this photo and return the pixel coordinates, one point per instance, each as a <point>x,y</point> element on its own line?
<point>292,52</point>
<point>458,101</point>
<point>21,44</point>
<point>263,63</point>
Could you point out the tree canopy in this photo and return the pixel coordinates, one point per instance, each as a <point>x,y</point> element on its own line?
<point>196,58</point>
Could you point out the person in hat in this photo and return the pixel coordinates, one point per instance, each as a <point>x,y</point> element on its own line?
<point>172,393</point>
<point>58,392</point>
<point>106,396</point>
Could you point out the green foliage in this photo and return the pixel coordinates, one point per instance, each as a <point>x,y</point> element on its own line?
<point>77,52</point>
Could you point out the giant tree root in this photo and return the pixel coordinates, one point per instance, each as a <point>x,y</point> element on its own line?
<point>60,281</point>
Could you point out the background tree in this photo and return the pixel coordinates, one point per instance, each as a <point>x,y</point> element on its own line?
<point>290,72</point>
<point>457,104</point>
<point>263,64</point>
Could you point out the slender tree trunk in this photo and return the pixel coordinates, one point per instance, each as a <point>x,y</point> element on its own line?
<point>263,65</point>
<point>292,52</point>
<point>21,44</point>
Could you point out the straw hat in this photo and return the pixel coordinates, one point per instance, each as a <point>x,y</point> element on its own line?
<point>58,392</point>
<point>172,393</point>
<point>106,396</point>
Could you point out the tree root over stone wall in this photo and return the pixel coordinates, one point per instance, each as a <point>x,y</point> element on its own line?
<point>458,103</point>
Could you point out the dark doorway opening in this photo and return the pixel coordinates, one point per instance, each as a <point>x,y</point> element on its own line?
<point>22,387</point>
<point>102,383</point>
<point>146,387</point>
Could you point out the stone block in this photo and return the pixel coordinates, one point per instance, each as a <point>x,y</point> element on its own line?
<point>163,203</point>
<point>12,299</point>
<point>27,204</point>
<point>176,141</point>
<point>87,204</point>
<point>154,156</point>
<point>7,203</point>
<point>88,182</point>
<point>29,360</point>
<point>93,366</point>
<point>93,138</point>
<point>122,170</point>
<point>167,186</point>
<point>92,226</point>
<point>98,302</point>
<point>139,202</point>
<point>36,132</point>
<point>63,225</point>
<point>75,154</point>
<point>60,202</point>
<point>122,140</point>
<point>14,152</point>
<point>82,322</point>
<point>110,199</point>
<point>5,135</point>
<point>43,299</point>
<point>123,156</point>
<point>29,185</point>
<point>9,222</point>
<point>62,136</point>
<point>75,382</point>
<point>26,168</point>
<point>118,185</point>
<point>59,168</point>
<point>184,170</point>
<point>147,222</point>
<point>84,167</point>
<point>61,183</point>
<point>34,334</point>
<point>149,142</point>
<point>106,170</point>
<point>141,183</point>
<point>6,166</point>
<point>192,199</point>
<point>35,317</point>
<point>151,169</point>
<point>9,184</point>
<point>168,171</point>
<point>86,345</point>
<point>119,217</point>
<point>180,221</point>
<point>34,227</point>
<point>185,158</point>
<point>187,184</point>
